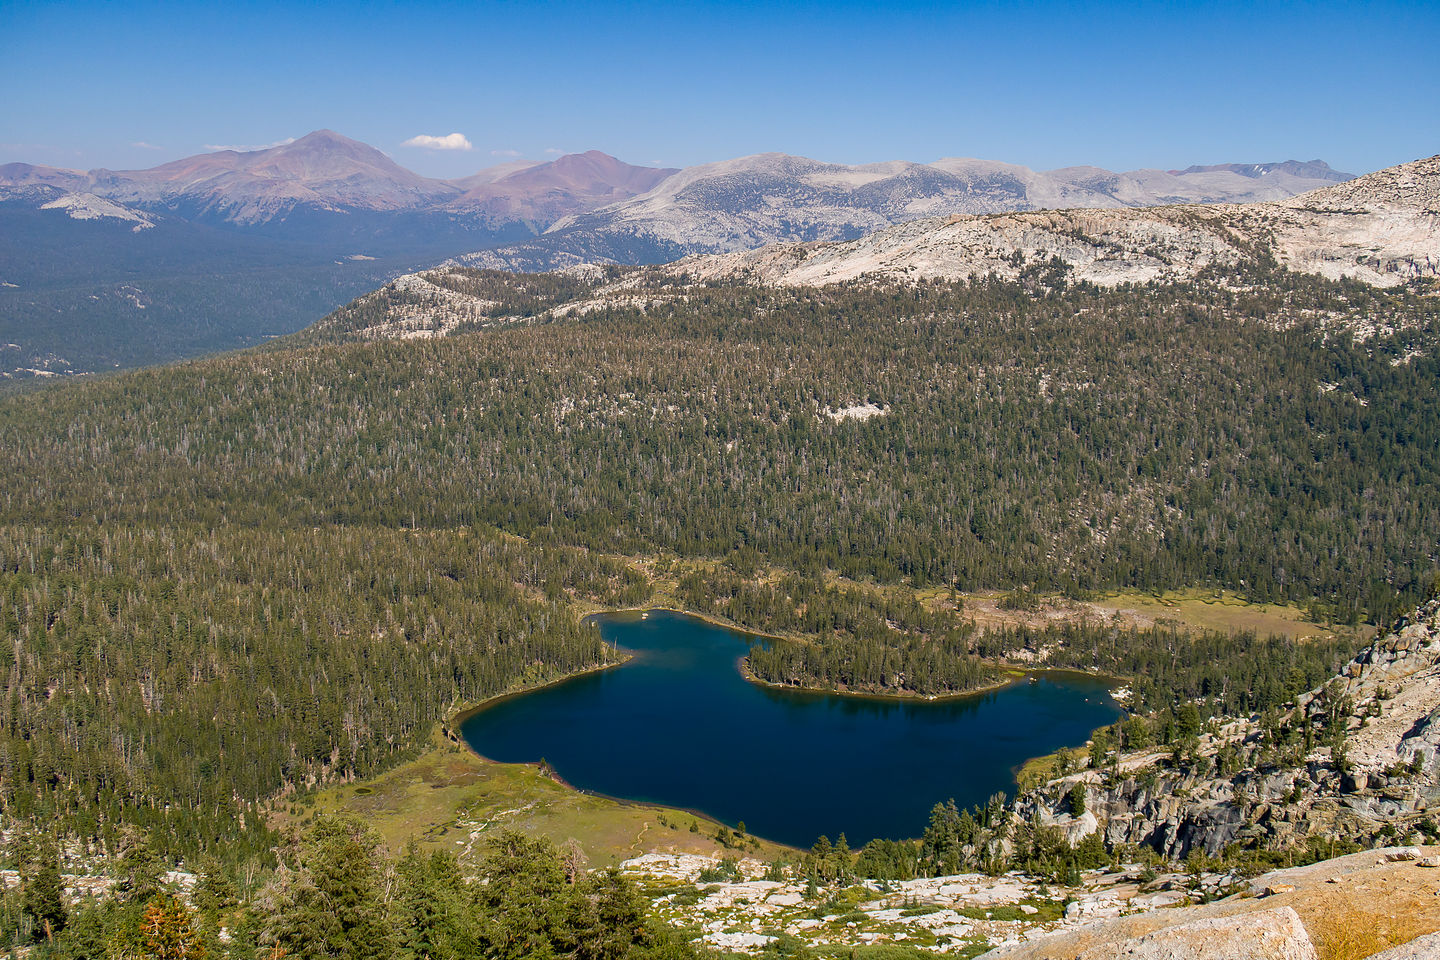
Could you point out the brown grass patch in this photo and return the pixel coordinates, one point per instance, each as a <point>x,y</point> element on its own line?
<point>1354,933</point>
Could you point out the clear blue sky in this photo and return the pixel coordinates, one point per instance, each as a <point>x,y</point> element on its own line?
<point>1044,84</point>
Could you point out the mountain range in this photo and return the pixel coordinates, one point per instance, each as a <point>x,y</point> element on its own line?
<point>326,172</point>
<point>102,269</point>
<point>748,202</point>
<point>1382,229</point>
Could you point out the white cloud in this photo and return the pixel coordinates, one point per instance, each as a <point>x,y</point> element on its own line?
<point>454,141</point>
<point>251,148</point>
<point>504,153</point>
<point>142,145</point>
<point>554,151</point>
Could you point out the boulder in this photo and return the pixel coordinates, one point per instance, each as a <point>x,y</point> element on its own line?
<point>1421,948</point>
<point>1403,854</point>
<point>1264,935</point>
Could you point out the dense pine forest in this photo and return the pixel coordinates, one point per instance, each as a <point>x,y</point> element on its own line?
<point>230,580</point>
<point>1225,433</point>
<point>171,677</point>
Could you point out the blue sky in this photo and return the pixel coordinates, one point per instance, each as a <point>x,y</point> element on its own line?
<point>1043,84</point>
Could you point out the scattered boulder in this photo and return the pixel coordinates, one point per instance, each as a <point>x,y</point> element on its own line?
<point>1403,854</point>
<point>1271,889</point>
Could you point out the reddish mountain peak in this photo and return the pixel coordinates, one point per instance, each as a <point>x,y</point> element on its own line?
<point>331,144</point>
<point>545,192</point>
<point>592,172</point>
<point>325,154</point>
<point>324,136</point>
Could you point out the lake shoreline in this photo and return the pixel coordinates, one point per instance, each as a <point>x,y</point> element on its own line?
<point>1016,674</point>
<point>546,765</point>
<point>450,728</point>
<point>903,697</point>
<point>450,731</point>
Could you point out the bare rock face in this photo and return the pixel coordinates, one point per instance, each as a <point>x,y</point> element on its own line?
<point>1389,695</point>
<point>1274,934</point>
<point>1421,948</point>
<point>1264,935</point>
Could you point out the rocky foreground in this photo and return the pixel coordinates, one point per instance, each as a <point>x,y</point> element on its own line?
<point>1378,899</point>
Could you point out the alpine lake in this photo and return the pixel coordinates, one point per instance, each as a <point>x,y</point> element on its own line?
<point>678,724</point>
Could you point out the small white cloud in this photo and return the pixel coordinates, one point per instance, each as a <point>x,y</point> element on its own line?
<point>454,141</point>
<point>142,145</point>
<point>504,153</point>
<point>554,151</point>
<point>248,148</point>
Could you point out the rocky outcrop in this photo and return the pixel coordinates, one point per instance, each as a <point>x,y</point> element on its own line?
<point>1274,934</point>
<point>1265,935</point>
<point>1421,948</point>
<point>1387,699</point>
<point>1355,905</point>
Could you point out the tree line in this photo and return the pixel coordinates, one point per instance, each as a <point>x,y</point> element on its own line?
<point>337,895</point>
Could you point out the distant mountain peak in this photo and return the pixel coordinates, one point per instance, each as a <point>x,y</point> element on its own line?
<point>328,140</point>
<point>1306,169</point>
<point>544,193</point>
<point>324,134</point>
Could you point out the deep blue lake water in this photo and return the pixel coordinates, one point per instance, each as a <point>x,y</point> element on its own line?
<point>679,725</point>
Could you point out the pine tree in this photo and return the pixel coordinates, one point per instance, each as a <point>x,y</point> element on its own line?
<point>434,910</point>
<point>167,932</point>
<point>45,898</point>
<point>330,906</point>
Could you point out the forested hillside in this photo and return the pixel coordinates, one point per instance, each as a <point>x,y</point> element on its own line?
<point>1231,432</point>
<point>232,578</point>
<point>171,675</point>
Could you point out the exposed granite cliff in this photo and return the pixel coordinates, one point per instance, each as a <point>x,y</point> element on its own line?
<point>1272,782</point>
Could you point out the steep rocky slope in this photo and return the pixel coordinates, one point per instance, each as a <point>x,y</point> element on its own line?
<point>1352,760</point>
<point>1377,904</point>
